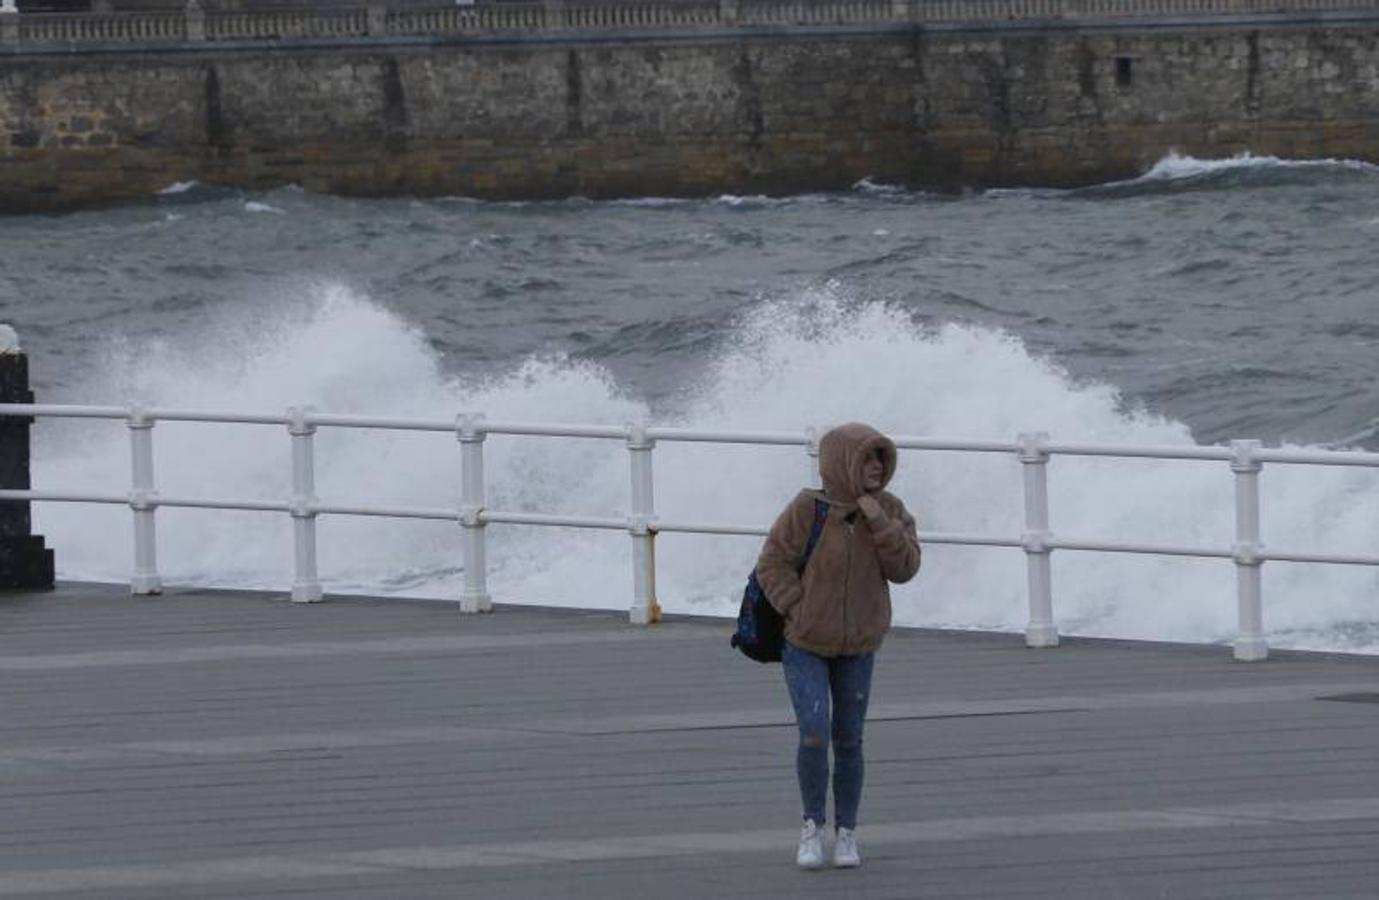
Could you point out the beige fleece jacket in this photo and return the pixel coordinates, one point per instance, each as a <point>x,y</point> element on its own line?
<point>841,605</point>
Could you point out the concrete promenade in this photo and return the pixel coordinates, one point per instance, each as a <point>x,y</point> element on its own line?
<point>214,744</point>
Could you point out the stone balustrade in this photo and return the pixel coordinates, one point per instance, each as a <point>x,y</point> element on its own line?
<point>196,25</point>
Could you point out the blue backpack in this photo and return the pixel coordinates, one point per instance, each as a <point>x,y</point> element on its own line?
<point>760,633</point>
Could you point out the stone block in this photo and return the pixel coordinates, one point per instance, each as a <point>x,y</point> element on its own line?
<point>25,564</point>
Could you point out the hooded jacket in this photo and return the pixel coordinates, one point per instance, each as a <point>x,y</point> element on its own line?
<point>841,604</point>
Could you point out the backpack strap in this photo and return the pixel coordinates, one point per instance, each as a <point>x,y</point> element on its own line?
<point>815,531</point>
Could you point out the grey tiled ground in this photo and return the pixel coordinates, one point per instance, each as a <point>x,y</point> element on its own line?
<point>213,744</point>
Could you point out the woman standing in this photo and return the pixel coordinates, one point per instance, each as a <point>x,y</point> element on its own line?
<point>836,613</point>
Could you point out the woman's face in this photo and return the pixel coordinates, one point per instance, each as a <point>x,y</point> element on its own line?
<point>872,472</point>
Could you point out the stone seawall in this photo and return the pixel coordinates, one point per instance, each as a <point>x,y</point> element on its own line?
<point>755,111</point>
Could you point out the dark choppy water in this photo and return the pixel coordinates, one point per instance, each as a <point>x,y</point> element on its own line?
<point>1238,298</point>
<point>1206,300</point>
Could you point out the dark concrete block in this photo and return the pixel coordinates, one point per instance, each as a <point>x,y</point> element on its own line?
<point>14,380</point>
<point>15,518</point>
<point>25,563</point>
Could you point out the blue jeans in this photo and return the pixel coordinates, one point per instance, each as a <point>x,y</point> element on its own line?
<point>812,680</point>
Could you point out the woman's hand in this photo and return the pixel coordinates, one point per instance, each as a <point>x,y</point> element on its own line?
<point>871,509</point>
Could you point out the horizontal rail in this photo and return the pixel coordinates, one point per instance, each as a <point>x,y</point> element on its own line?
<point>709,528</point>
<point>151,500</point>
<point>972,540</point>
<point>63,496</point>
<point>1261,554</point>
<point>51,410</point>
<point>667,527</point>
<point>541,430</point>
<point>696,435</point>
<point>387,512</point>
<point>788,438</point>
<point>1128,451</point>
<point>973,446</point>
<point>221,418</point>
<point>1148,549</point>
<point>311,418</point>
<point>211,503</point>
<point>1318,457</point>
<point>389,423</point>
<point>1282,455</point>
<point>1340,559</point>
<point>511,518</point>
<point>618,432</point>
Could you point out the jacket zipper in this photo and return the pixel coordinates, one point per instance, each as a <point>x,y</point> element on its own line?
<point>847,581</point>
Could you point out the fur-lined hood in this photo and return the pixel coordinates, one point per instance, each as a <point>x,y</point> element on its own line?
<point>843,450</point>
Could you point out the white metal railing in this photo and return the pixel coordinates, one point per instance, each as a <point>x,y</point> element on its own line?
<point>1033,451</point>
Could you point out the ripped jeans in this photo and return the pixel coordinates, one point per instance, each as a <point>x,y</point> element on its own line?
<point>812,680</point>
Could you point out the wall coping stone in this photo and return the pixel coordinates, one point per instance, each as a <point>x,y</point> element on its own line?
<point>561,20</point>
<point>12,49</point>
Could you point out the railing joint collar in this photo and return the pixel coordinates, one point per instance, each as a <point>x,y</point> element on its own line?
<point>140,417</point>
<point>638,438</point>
<point>143,501</point>
<point>1245,457</point>
<point>1037,541</point>
<point>1248,553</point>
<point>1034,447</point>
<point>299,421</point>
<point>469,428</point>
<point>640,525</point>
<point>471,515</point>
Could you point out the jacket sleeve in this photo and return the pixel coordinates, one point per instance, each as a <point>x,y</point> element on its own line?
<point>897,544</point>
<point>781,553</point>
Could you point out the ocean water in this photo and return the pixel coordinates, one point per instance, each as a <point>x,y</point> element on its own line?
<point>1204,301</point>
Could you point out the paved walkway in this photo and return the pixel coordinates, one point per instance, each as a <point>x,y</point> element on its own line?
<point>213,744</point>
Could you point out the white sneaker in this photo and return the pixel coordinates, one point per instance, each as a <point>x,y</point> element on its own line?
<point>811,855</point>
<point>845,855</point>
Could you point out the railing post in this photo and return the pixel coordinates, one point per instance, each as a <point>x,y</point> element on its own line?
<point>553,14</point>
<point>728,12</point>
<point>640,525</point>
<point>1034,464</point>
<point>470,432</point>
<point>9,22</point>
<point>143,500</point>
<point>194,18</point>
<point>306,583</point>
<point>1250,644</point>
<point>376,20</point>
<point>811,474</point>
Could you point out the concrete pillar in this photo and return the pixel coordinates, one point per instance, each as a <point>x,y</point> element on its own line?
<point>195,21</point>
<point>554,14</point>
<point>376,20</point>
<point>24,561</point>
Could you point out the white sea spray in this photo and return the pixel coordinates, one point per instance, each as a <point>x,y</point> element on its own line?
<point>817,358</point>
